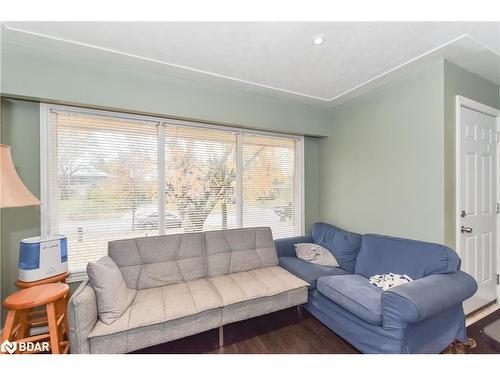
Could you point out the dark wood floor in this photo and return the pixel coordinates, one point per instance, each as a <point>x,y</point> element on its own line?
<point>284,332</point>
<point>476,332</point>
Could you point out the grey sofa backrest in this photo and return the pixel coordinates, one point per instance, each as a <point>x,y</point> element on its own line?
<point>239,250</point>
<point>150,262</point>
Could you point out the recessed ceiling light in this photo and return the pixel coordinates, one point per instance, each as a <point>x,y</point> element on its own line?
<point>318,40</point>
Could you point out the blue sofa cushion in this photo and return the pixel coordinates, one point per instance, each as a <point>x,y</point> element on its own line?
<point>343,245</point>
<point>308,271</point>
<point>383,254</point>
<point>355,294</point>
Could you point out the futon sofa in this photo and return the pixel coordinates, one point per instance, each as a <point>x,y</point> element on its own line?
<point>422,316</point>
<point>186,284</point>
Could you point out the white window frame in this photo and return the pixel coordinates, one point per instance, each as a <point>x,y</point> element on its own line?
<point>49,222</point>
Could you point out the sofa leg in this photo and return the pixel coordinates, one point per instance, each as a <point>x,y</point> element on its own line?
<point>299,311</point>
<point>221,336</point>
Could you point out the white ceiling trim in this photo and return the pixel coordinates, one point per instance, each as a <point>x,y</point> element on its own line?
<point>450,51</point>
<point>447,50</point>
<point>420,57</point>
<point>10,28</point>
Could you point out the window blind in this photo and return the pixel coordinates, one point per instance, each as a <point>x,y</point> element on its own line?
<point>269,175</point>
<point>111,176</point>
<point>200,177</point>
<point>104,182</point>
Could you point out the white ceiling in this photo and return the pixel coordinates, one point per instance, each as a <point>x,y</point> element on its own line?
<point>278,58</point>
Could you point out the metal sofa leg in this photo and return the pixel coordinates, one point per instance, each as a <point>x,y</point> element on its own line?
<point>299,311</point>
<point>221,336</point>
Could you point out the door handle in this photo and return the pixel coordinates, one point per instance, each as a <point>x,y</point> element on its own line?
<point>465,229</point>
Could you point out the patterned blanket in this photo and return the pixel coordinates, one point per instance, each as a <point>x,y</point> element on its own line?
<point>387,281</point>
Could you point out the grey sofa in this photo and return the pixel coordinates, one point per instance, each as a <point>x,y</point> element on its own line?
<point>186,284</point>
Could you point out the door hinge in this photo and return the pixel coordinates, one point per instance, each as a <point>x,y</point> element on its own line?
<point>498,208</point>
<point>498,279</point>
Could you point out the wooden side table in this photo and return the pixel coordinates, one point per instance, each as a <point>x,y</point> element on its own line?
<point>20,320</point>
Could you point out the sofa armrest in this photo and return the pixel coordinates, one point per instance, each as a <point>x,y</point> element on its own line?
<point>284,246</point>
<point>82,316</point>
<point>426,297</point>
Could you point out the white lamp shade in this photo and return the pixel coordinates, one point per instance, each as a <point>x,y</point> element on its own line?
<point>13,193</point>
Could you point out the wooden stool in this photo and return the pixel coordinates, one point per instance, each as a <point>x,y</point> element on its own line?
<point>54,279</point>
<point>40,312</point>
<point>20,319</point>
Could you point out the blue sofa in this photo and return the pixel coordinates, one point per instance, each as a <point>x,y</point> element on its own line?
<point>422,316</point>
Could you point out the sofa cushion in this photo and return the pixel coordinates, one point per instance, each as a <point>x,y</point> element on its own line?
<point>308,271</point>
<point>383,254</point>
<point>343,245</point>
<point>317,254</point>
<point>150,262</point>
<point>146,336</point>
<point>112,295</point>
<point>262,282</point>
<point>238,250</point>
<point>355,294</point>
<point>163,304</point>
<point>285,246</point>
<point>263,305</point>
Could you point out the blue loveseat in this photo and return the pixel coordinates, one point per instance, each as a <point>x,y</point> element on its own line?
<point>422,316</point>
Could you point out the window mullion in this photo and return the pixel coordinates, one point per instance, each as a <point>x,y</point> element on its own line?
<point>299,187</point>
<point>239,179</point>
<point>48,163</point>
<point>161,178</point>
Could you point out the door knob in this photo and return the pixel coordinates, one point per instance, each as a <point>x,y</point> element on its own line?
<point>465,229</point>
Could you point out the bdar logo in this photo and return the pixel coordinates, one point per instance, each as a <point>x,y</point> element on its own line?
<point>8,347</point>
<point>32,347</point>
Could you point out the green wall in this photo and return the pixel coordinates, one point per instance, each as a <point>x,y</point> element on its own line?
<point>458,81</point>
<point>28,72</point>
<point>382,167</point>
<point>311,182</point>
<point>389,163</point>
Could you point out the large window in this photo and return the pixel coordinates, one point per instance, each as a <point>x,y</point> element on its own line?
<point>107,176</point>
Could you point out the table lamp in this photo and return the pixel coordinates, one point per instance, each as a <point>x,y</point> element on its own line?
<point>13,193</point>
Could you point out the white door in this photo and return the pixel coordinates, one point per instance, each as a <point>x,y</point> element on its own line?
<point>478,198</point>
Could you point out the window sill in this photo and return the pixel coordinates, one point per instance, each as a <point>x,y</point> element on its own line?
<point>76,276</point>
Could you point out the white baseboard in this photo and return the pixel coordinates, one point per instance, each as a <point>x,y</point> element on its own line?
<point>481,314</point>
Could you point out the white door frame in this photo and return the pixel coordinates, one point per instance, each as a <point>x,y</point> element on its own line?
<point>462,102</point>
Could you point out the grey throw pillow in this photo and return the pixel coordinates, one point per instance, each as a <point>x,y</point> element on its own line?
<point>112,294</point>
<point>316,254</point>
